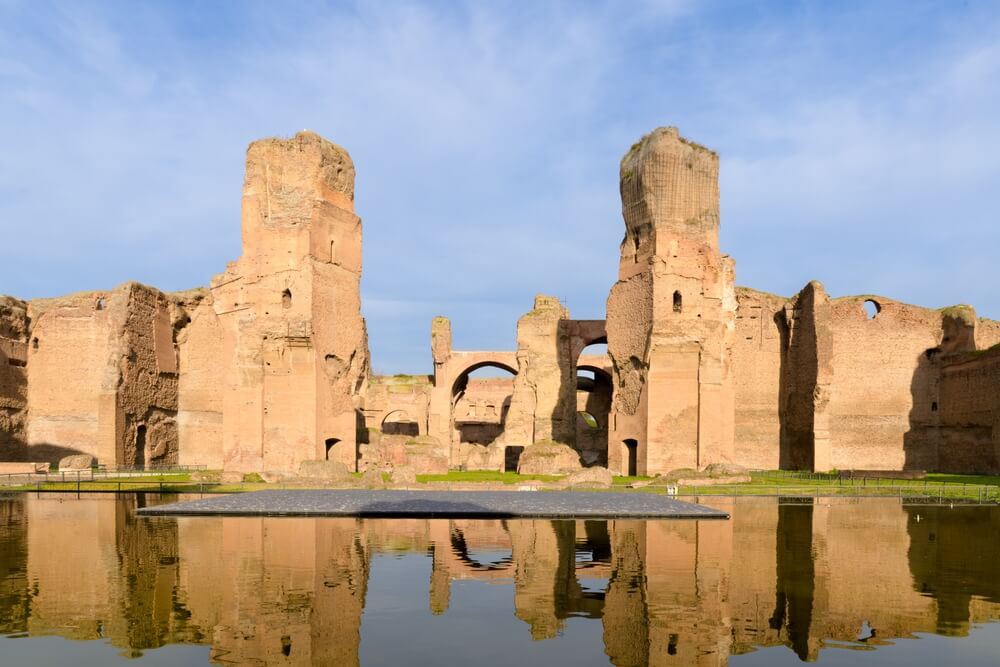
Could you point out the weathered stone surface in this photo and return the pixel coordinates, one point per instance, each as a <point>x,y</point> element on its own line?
<point>711,481</point>
<point>231,477</point>
<point>325,471</point>
<point>294,348</point>
<point>404,475</point>
<point>543,404</point>
<point>547,457</point>
<point>13,377</point>
<point>491,457</point>
<point>670,316</point>
<point>589,477</point>
<point>76,462</point>
<point>13,468</point>
<point>724,469</point>
<point>103,377</point>
<point>423,453</point>
<point>278,476</point>
<point>374,478</point>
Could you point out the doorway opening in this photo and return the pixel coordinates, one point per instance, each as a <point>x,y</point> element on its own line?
<point>140,446</point>
<point>330,442</point>
<point>511,456</point>
<point>632,457</point>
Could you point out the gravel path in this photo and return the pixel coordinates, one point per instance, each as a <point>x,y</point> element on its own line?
<point>450,504</point>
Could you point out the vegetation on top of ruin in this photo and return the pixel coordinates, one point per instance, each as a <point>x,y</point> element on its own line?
<point>663,128</point>
<point>750,291</point>
<point>697,146</point>
<point>401,378</point>
<point>962,312</point>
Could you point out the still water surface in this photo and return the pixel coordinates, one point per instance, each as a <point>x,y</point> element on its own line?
<point>869,582</point>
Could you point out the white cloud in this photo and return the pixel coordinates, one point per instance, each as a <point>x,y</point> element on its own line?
<point>487,143</point>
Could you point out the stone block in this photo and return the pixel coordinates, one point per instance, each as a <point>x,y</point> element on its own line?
<point>76,462</point>
<point>547,457</point>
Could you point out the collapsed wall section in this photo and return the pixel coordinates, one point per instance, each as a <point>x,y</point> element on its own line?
<point>294,345</point>
<point>102,377</point>
<point>969,413</point>
<point>869,383</point>
<point>670,316</point>
<point>542,406</point>
<point>884,390</point>
<point>13,377</point>
<point>805,379</point>
<point>200,374</point>
<point>757,349</point>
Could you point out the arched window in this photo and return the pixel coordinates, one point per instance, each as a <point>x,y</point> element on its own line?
<point>872,308</point>
<point>286,299</point>
<point>678,305</point>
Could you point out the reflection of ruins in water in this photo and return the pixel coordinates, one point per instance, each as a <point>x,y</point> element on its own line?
<point>292,591</point>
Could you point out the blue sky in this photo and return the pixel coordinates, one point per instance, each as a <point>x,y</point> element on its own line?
<point>860,144</point>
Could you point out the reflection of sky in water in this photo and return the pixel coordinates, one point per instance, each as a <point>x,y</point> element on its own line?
<point>85,581</point>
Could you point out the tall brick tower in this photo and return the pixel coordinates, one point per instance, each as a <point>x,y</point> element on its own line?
<point>295,347</point>
<point>670,316</point>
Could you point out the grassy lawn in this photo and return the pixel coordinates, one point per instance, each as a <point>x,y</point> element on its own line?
<point>486,476</point>
<point>949,478</point>
<point>763,483</point>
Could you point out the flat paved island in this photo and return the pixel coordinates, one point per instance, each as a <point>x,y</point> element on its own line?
<point>441,504</point>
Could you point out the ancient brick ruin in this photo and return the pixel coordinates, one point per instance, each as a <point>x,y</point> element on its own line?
<point>269,366</point>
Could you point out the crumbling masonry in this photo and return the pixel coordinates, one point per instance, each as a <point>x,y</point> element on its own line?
<point>269,366</point>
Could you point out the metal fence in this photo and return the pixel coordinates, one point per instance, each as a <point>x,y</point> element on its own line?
<point>942,493</point>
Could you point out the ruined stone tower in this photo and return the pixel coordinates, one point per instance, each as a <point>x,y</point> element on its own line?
<point>670,315</point>
<point>294,343</point>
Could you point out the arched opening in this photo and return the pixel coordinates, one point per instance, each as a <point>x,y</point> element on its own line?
<point>34,343</point>
<point>480,401</point>
<point>593,403</point>
<point>489,557</point>
<point>631,457</point>
<point>872,308</point>
<point>140,446</point>
<point>99,304</point>
<point>329,444</point>
<point>399,422</point>
<point>678,302</point>
<point>286,299</point>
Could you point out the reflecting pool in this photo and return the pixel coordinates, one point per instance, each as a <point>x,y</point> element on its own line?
<point>840,581</point>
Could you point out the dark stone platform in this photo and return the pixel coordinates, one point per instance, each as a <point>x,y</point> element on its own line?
<point>441,504</point>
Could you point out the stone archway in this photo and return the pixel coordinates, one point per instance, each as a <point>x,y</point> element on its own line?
<point>479,405</point>
<point>399,422</point>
